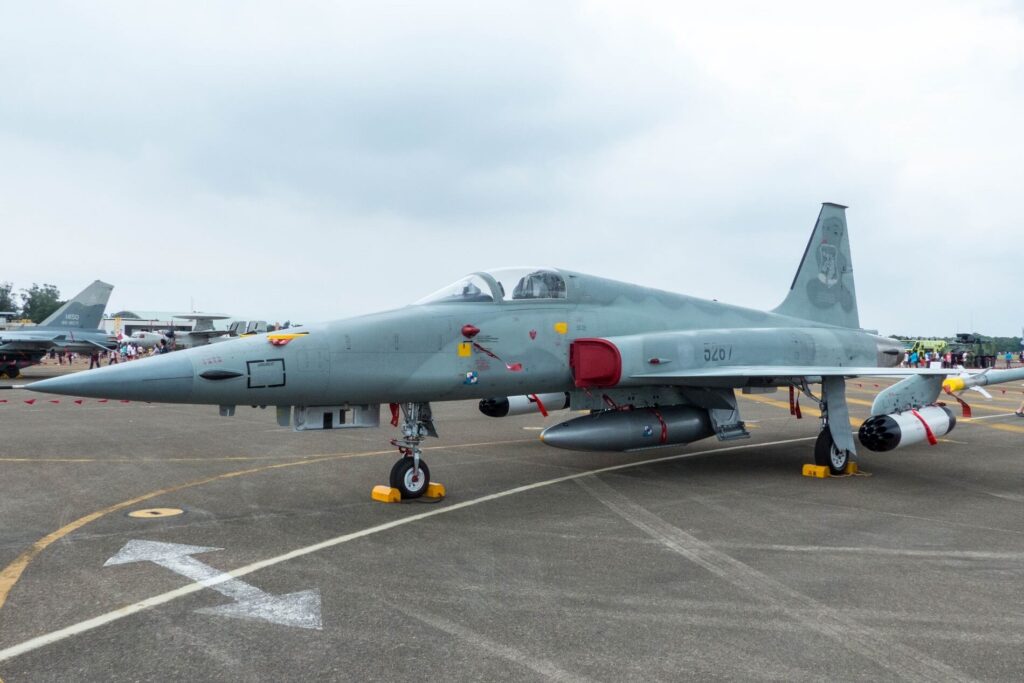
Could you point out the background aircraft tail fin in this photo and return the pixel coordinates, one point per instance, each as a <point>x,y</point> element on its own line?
<point>83,311</point>
<point>823,289</point>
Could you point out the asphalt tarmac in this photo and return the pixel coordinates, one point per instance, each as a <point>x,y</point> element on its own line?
<point>711,561</point>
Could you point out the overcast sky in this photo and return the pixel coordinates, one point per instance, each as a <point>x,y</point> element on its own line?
<point>311,161</point>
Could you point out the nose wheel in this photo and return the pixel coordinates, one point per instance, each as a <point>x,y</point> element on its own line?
<point>409,477</point>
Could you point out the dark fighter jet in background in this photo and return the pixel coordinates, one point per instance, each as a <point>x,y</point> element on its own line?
<point>72,327</point>
<point>652,367</point>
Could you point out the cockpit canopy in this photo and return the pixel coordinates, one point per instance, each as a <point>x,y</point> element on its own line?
<point>506,284</point>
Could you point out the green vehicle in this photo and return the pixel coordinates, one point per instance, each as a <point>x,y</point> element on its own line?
<point>981,351</point>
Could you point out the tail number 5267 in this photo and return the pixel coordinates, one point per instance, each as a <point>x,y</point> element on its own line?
<point>714,353</point>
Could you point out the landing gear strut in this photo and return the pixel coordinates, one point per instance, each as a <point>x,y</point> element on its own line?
<point>834,447</point>
<point>410,474</point>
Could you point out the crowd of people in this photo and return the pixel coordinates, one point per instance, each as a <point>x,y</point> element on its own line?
<point>125,351</point>
<point>951,359</point>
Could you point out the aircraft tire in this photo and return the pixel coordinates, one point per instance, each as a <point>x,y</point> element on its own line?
<point>401,478</point>
<point>826,453</point>
<point>12,371</point>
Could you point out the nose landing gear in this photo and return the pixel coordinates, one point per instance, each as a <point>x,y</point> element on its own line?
<point>410,474</point>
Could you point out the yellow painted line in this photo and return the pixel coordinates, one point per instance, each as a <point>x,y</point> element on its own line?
<point>809,410</point>
<point>230,458</point>
<point>856,423</point>
<point>12,572</point>
<point>995,425</point>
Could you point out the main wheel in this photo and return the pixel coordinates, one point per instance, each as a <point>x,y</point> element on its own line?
<point>12,371</point>
<point>410,483</point>
<point>827,453</point>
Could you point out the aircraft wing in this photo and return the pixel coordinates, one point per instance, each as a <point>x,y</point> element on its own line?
<point>207,333</point>
<point>690,375</point>
<point>29,342</point>
<point>102,347</point>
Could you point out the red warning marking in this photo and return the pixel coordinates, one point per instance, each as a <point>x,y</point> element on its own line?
<point>540,404</point>
<point>927,430</point>
<point>394,414</point>
<point>30,401</point>
<point>54,400</point>
<point>664,427</point>
<point>102,400</point>
<point>79,401</point>
<point>964,408</point>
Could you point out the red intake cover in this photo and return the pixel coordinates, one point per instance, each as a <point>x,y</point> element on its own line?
<point>595,363</point>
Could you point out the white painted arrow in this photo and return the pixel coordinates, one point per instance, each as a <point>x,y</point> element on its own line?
<point>301,609</point>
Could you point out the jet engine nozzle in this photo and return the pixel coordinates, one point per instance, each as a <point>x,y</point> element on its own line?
<point>882,433</point>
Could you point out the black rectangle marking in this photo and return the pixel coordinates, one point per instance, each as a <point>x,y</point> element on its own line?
<point>266,374</point>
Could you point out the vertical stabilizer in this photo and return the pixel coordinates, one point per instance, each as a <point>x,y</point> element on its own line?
<point>84,311</point>
<point>822,289</point>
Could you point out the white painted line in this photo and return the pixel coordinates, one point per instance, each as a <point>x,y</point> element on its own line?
<point>968,420</point>
<point>883,552</point>
<point>135,608</point>
<point>824,621</point>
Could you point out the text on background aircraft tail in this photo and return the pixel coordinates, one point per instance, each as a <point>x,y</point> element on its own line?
<point>83,311</point>
<point>822,289</point>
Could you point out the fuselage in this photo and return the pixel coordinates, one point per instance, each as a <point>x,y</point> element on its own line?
<point>422,352</point>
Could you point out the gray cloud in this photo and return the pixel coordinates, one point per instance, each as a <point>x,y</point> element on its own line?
<point>219,151</point>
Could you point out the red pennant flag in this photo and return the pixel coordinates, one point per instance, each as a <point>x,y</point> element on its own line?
<point>78,401</point>
<point>30,401</point>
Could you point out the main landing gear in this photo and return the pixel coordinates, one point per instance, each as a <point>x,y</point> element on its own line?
<point>834,448</point>
<point>410,474</point>
<point>827,453</point>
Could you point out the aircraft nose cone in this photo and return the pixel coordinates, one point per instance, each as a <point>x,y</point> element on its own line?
<point>166,379</point>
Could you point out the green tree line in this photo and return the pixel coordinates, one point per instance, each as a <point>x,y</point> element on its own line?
<point>35,303</point>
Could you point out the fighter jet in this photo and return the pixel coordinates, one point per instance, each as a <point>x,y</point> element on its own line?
<point>72,327</point>
<point>653,368</point>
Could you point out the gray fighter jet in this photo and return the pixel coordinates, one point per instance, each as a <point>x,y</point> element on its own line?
<point>72,327</point>
<point>652,367</point>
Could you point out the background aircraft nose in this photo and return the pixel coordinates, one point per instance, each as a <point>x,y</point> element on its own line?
<point>162,379</point>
